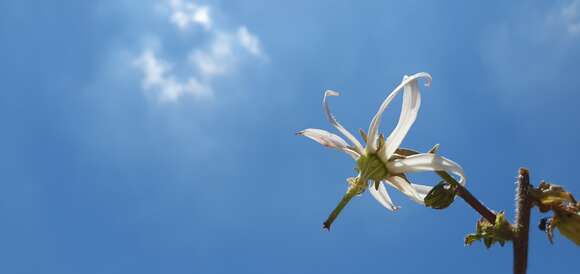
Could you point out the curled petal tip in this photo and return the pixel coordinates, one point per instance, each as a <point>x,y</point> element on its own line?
<point>329,92</point>
<point>426,76</point>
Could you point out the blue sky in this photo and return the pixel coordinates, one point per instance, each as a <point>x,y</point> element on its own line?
<point>158,137</point>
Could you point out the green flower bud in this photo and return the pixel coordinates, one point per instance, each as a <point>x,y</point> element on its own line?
<point>441,196</point>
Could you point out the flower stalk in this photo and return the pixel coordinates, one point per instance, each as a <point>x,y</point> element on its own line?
<point>468,197</point>
<point>351,192</point>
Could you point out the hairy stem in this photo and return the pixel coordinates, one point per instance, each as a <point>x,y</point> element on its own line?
<point>522,222</point>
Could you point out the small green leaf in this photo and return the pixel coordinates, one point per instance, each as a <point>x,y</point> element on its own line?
<point>501,232</point>
<point>469,239</point>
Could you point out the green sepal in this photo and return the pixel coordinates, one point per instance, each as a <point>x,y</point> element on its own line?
<point>434,149</point>
<point>381,142</point>
<point>363,134</point>
<point>371,168</point>
<point>376,184</point>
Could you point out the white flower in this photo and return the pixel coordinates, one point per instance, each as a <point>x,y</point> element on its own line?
<point>381,161</point>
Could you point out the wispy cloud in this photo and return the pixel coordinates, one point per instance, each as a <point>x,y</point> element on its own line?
<point>569,15</point>
<point>220,53</point>
<point>249,41</point>
<point>531,51</point>
<point>217,59</point>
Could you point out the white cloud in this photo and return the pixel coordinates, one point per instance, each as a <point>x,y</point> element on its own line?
<point>186,14</point>
<point>220,53</point>
<point>157,76</point>
<point>249,41</point>
<point>153,69</point>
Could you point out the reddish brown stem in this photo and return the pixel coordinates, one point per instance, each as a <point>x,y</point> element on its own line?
<point>475,204</point>
<point>522,222</point>
<point>469,198</point>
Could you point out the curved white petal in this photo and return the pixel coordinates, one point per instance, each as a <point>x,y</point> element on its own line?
<point>382,196</point>
<point>328,139</point>
<point>358,147</point>
<point>409,111</point>
<point>374,126</point>
<point>426,162</point>
<point>423,190</point>
<point>407,188</point>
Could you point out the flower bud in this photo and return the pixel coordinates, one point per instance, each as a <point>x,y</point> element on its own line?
<point>441,196</point>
